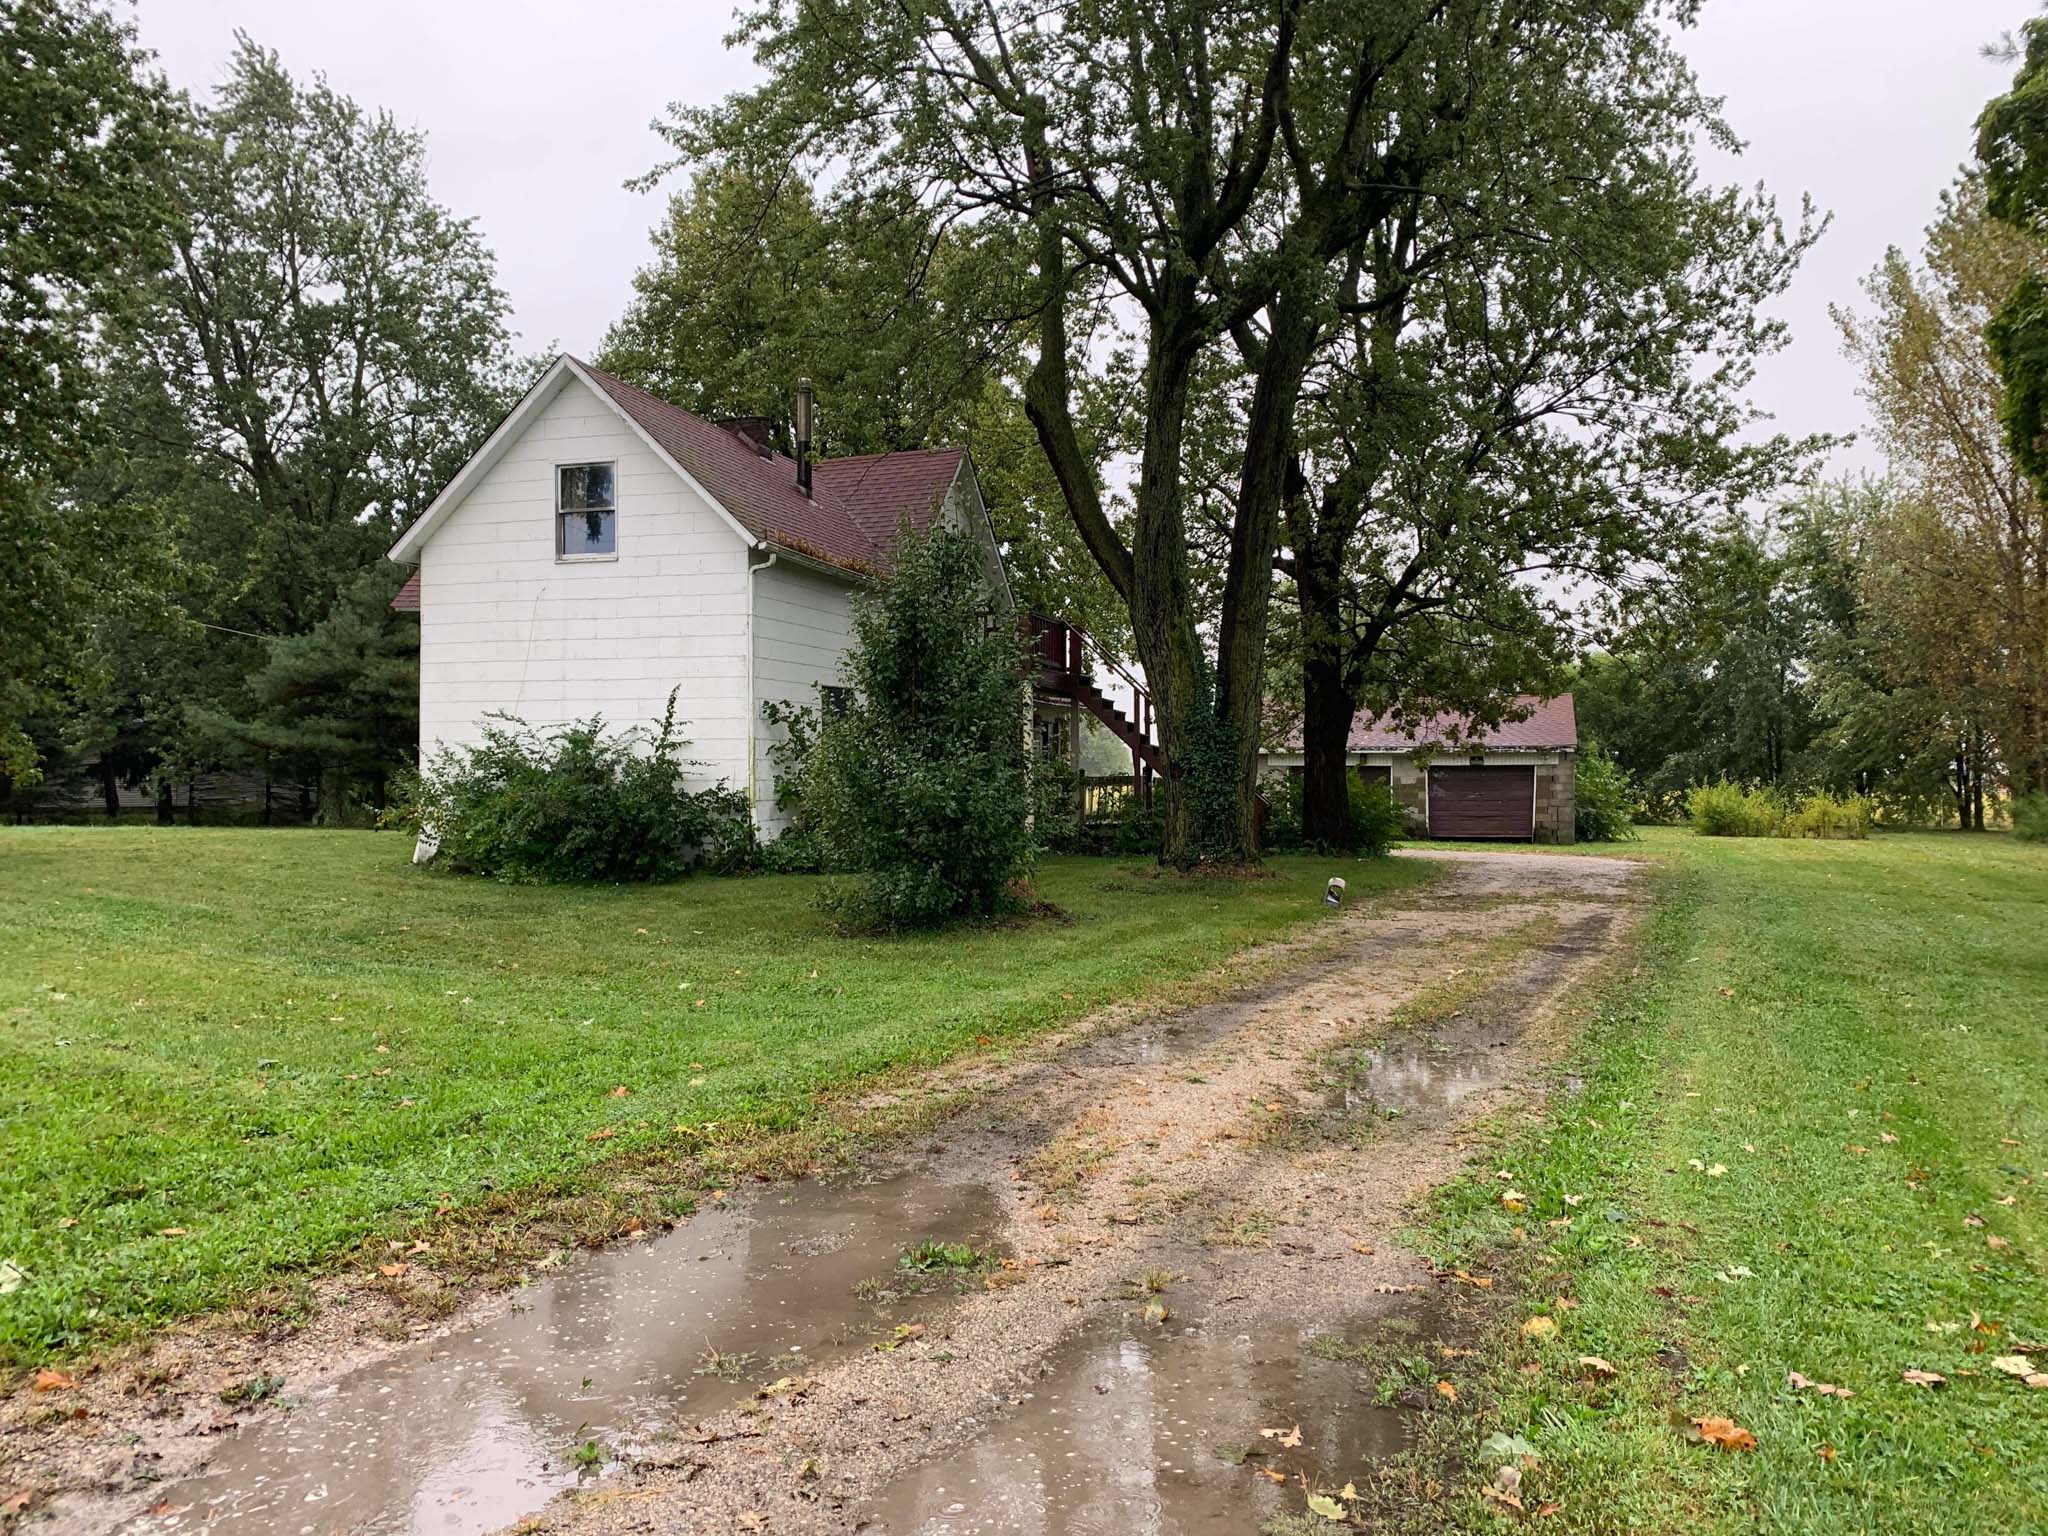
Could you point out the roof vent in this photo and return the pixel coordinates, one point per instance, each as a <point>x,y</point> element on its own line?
<point>803,435</point>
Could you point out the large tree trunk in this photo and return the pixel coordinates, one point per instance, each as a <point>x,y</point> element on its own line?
<point>1255,538</point>
<point>1161,600</point>
<point>1328,706</point>
<point>165,803</point>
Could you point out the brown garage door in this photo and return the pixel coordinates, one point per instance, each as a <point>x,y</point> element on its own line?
<point>1481,802</point>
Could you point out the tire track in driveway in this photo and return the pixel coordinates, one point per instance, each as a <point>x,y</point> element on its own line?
<point>1210,1148</point>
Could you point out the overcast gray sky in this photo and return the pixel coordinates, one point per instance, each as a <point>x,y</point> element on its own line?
<point>537,113</point>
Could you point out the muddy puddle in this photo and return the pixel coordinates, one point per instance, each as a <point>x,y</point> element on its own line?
<point>1132,1430</point>
<point>469,1432</point>
<point>1423,1075</point>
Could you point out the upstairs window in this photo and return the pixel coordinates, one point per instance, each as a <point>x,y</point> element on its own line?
<point>586,512</point>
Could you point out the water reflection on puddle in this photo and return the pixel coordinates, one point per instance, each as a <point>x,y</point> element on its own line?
<point>467,1433</point>
<point>1121,1438</point>
<point>1421,1078</point>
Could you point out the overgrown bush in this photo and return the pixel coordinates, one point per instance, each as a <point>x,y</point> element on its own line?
<point>1743,810</point>
<point>1283,796</point>
<point>1725,809</point>
<point>575,803</point>
<point>2030,817</point>
<point>795,850</point>
<point>1374,819</point>
<point>1377,819</point>
<point>1604,797</point>
<point>1820,814</point>
<point>1055,827</point>
<point>922,789</point>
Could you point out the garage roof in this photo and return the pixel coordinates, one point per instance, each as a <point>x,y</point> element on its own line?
<point>1546,726</point>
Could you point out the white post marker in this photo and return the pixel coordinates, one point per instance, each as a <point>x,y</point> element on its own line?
<point>428,845</point>
<point>1333,894</point>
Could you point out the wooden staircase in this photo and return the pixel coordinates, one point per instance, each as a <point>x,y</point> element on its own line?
<point>1063,655</point>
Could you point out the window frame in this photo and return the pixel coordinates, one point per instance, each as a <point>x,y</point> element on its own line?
<point>562,553</point>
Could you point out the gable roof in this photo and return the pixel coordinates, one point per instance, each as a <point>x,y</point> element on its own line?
<point>850,520</point>
<point>1551,724</point>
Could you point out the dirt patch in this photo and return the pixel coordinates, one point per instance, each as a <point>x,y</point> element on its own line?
<point>1183,1204</point>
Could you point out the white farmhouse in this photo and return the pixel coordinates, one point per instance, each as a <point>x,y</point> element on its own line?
<point>604,547</point>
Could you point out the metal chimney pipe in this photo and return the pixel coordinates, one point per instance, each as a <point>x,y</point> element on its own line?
<point>803,435</point>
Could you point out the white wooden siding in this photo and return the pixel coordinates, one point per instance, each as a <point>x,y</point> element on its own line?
<point>802,628</point>
<point>505,626</point>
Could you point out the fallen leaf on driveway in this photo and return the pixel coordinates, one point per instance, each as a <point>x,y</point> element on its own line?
<point>1799,1383</point>
<point>1725,1434</point>
<point>48,1380</point>
<point>1928,1379</point>
<point>1322,1504</point>
<point>392,1271</point>
<point>1288,1438</point>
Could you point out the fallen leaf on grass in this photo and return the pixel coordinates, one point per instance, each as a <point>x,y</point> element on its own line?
<point>1799,1383</point>
<point>48,1380</point>
<point>1484,1282</point>
<point>170,1232</point>
<point>392,1271</point>
<point>1287,1438</point>
<point>1928,1379</point>
<point>1539,1327</point>
<point>1448,1391</point>
<point>1724,1434</point>
<point>1596,1365</point>
<point>2015,1365</point>
<point>1826,1453</point>
<point>621,1091</point>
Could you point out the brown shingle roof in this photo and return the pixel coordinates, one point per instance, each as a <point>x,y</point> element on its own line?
<point>857,504</point>
<point>407,598</point>
<point>1550,724</point>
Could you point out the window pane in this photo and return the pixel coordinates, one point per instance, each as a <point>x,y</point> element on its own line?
<point>585,486</point>
<point>589,533</point>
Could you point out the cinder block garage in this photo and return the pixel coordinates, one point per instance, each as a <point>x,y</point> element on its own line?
<point>1513,783</point>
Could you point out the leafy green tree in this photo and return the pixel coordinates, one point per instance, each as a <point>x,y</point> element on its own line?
<point>324,348</point>
<point>1508,403</point>
<point>82,130</point>
<point>1710,682</point>
<point>1958,567</point>
<point>340,701</point>
<point>922,788</point>
<point>1161,182</point>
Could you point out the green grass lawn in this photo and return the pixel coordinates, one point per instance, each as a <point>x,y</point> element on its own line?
<point>1813,1137</point>
<point>228,1056</point>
